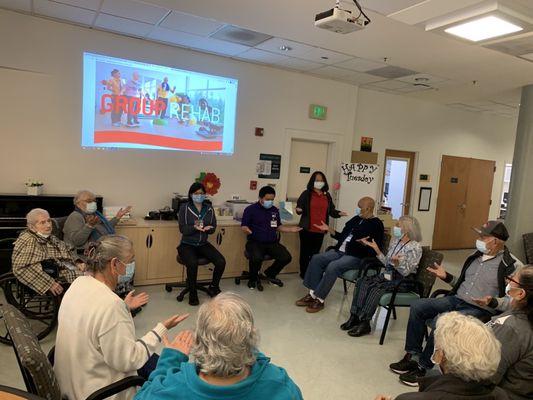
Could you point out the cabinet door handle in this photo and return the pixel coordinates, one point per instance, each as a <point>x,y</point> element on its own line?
<point>151,241</point>
<point>223,230</point>
<point>219,238</point>
<point>148,241</point>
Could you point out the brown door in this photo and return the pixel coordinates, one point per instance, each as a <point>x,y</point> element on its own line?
<point>463,201</point>
<point>395,193</point>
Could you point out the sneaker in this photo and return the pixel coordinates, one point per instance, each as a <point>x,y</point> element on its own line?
<point>213,291</point>
<point>404,365</point>
<point>305,301</point>
<point>315,306</point>
<point>352,322</point>
<point>275,281</point>
<point>360,330</point>
<point>411,378</point>
<point>251,284</point>
<point>130,125</point>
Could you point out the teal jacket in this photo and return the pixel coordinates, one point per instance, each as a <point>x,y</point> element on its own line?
<point>176,379</point>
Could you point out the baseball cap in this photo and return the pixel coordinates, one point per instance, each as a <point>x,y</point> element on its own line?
<point>493,228</point>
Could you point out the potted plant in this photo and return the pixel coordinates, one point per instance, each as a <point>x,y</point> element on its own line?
<point>34,187</point>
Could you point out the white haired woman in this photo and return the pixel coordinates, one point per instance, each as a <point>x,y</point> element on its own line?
<point>400,264</point>
<point>40,260</point>
<point>467,353</point>
<point>227,364</point>
<point>96,343</point>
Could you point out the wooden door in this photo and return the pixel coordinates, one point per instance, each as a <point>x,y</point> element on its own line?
<point>409,157</point>
<point>463,201</point>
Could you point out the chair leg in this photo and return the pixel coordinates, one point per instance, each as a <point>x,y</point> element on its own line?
<point>394,312</point>
<point>385,325</point>
<point>345,287</point>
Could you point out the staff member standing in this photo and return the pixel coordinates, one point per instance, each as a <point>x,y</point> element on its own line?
<point>315,206</point>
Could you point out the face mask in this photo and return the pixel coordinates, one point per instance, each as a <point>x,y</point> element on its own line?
<point>481,246</point>
<point>508,288</point>
<point>128,276</point>
<point>198,198</point>
<point>91,207</point>
<point>268,203</point>
<point>397,232</point>
<point>358,211</point>
<point>318,185</point>
<point>43,235</point>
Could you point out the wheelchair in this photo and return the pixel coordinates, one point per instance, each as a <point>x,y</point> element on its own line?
<point>41,310</point>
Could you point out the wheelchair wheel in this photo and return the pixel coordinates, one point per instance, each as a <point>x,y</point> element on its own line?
<point>40,310</point>
<point>168,288</point>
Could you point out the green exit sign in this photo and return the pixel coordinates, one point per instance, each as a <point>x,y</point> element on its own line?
<point>317,112</point>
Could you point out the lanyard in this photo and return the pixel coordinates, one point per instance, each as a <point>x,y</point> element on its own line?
<point>394,252</point>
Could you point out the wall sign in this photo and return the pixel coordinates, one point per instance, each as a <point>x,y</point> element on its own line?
<point>424,200</point>
<point>359,172</point>
<point>317,111</point>
<point>366,143</point>
<point>305,170</point>
<point>275,166</point>
<point>454,180</point>
<point>423,178</point>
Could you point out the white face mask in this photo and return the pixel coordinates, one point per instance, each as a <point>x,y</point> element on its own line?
<point>91,207</point>
<point>481,246</point>
<point>43,235</point>
<point>397,232</point>
<point>318,185</point>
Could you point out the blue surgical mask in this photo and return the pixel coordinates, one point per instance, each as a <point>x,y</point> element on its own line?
<point>128,276</point>
<point>397,232</point>
<point>198,198</point>
<point>358,211</point>
<point>91,207</point>
<point>481,246</point>
<point>268,203</point>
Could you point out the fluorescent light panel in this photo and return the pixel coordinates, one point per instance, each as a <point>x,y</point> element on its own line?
<point>483,28</point>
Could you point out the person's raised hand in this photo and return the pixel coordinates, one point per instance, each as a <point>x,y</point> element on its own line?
<point>299,210</point>
<point>343,214</point>
<point>56,289</point>
<point>174,320</point>
<point>122,212</point>
<point>247,230</point>
<point>482,301</point>
<point>207,228</point>
<point>182,342</point>
<point>322,226</point>
<point>437,270</point>
<point>92,220</point>
<point>295,228</point>
<point>396,259</point>
<point>137,301</point>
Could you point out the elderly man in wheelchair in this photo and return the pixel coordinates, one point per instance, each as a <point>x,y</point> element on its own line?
<point>40,260</point>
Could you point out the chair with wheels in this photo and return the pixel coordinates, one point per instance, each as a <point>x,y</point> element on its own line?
<point>35,366</point>
<point>423,281</point>
<point>245,275</point>
<point>201,285</point>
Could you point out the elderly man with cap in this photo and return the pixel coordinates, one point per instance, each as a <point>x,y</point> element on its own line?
<point>478,291</point>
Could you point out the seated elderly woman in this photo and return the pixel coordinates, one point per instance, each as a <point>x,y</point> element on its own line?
<point>514,329</point>
<point>86,223</point>
<point>467,353</point>
<point>96,343</point>
<point>37,251</point>
<point>227,364</point>
<point>400,264</point>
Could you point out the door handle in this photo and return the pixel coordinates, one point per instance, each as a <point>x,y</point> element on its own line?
<point>151,240</point>
<point>147,241</point>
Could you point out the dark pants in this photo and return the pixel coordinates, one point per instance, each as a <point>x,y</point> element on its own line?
<point>310,244</point>
<point>133,106</point>
<point>190,254</point>
<point>424,312</point>
<point>164,109</point>
<point>116,112</point>
<point>256,253</point>
<point>148,367</point>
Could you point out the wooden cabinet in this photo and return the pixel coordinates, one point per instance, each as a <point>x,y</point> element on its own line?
<point>155,245</point>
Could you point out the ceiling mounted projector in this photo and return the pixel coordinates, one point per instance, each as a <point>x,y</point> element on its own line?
<point>342,20</point>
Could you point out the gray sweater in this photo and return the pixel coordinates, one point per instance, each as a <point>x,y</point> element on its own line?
<point>77,232</point>
<point>515,372</point>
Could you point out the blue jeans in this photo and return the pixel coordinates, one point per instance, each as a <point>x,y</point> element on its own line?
<point>325,268</point>
<point>425,312</point>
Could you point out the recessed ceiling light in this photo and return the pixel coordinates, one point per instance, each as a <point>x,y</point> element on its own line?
<point>483,28</point>
<point>285,48</point>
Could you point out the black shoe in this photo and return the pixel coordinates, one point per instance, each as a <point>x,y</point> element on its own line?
<point>360,330</point>
<point>411,378</point>
<point>213,291</point>
<point>405,365</point>
<point>275,281</point>
<point>251,284</point>
<point>193,299</point>
<point>351,323</point>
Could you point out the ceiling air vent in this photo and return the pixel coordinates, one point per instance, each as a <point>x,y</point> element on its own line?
<point>391,72</point>
<point>234,34</point>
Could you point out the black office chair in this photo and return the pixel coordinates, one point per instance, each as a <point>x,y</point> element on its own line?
<point>201,285</point>
<point>245,275</point>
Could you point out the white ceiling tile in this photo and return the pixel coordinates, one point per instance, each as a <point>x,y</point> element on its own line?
<point>87,4</point>
<point>301,65</point>
<point>188,40</point>
<point>324,56</point>
<point>331,72</point>
<point>134,10</point>
<point>19,5</point>
<point>64,12</point>
<point>263,56</point>
<point>360,65</point>
<point>296,49</point>
<point>390,84</point>
<point>426,79</point>
<point>387,7</point>
<point>122,25</point>
<point>413,88</point>
<point>190,23</point>
<point>361,78</point>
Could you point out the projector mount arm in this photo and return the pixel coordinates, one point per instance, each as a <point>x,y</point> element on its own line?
<point>338,4</point>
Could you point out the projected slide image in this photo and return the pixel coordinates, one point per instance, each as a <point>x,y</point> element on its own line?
<point>137,105</point>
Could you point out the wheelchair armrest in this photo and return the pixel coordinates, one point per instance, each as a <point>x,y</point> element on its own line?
<point>117,387</point>
<point>440,293</point>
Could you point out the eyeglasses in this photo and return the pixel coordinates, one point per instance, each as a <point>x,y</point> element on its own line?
<point>508,278</point>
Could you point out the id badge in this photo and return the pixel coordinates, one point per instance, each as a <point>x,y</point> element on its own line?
<point>388,276</point>
<point>274,224</point>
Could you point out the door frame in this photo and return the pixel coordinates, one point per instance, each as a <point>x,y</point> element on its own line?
<point>401,154</point>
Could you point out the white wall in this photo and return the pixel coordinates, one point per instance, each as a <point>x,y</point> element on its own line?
<point>433,130</point>
<point>41,117</point>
